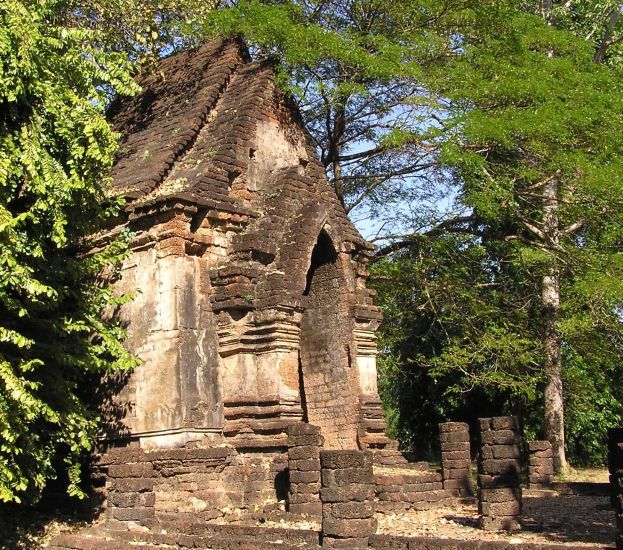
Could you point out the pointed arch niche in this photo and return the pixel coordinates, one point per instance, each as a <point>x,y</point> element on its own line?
<point>328,383</point>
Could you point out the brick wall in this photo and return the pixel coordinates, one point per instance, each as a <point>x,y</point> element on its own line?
<point>328,381</point>
<point>130,485</point>
<point>199,483</point>
<point>304,443</point>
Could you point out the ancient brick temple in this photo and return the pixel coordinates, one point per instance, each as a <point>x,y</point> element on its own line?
<point>253,311</point>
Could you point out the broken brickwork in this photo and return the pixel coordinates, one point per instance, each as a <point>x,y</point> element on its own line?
<point>456,462</point>
<point>499,470</point>
<point>304,444</point>
<point>615,467</point>
<point>198,484</point>
<point>130,485</point>
<point>347,495</point>
<point>253,312</point>
<point>540,464</point>
<point>413,488</point>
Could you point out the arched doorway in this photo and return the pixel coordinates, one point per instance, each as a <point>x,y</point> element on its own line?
<point>328,385</point>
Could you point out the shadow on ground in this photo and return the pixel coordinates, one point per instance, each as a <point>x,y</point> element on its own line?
<point>27,528</point>
<point>564,519</point>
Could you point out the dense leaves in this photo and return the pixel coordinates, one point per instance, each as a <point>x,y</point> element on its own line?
<point>532,143</point>
<point>355,68</point>
<point>55,151</point>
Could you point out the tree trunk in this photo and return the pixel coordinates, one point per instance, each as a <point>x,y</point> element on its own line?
<point>554,421</point>
<point>552,366</point>
<point>602,49</point>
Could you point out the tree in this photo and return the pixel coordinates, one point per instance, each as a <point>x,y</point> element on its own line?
<point>454,335</point>
<point>144,30</point>
<point>55,152</point>
<point>534,144</point>
<point>355,67</point>
<point>493,118</point>
<point>596,21</point>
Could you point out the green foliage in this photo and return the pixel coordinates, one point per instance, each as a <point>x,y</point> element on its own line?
<point>55,152</point>
<point>445,121</point>
<point>144,30</point>
<point>453,340</point>
<point>598,22</point>
<point>354,69</point>
<point>524,105</point>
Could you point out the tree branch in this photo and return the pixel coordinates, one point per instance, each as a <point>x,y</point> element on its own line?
<point>450,225</point>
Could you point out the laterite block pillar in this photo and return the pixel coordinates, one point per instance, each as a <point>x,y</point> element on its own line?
<point>347,495</point>
<point>304,443</point>
<point>499,491</point>
<point>615,466</point>
<point>540,464</point>
<point>455,458</point>
<point>130,485</point>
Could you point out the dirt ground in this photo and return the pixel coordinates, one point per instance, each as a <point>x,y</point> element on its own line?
<point>588,475</point>
<point>547,517</point>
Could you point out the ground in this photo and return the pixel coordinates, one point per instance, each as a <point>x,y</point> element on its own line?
<point>549,517</point>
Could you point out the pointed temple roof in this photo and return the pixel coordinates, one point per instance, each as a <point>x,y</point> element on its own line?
<point>184,135</point>
<point>211,130</point>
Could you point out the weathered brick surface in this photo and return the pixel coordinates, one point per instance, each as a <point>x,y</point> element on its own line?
<point>615,468</point>
<point>130,485</point>
<point>253,311</point>
<point>346,495</point>
<point>499,469</point>
<point>201,482</point>
<point>540,464</point>
<point>401,489</point>
<point>456,458</point>
<point>304,444</point>
<point>388,542</point>
<point>246,260</point>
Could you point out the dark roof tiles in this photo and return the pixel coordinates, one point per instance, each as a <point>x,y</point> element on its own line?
<point>190,135</point>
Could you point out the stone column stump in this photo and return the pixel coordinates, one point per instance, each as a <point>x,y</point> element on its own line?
<point>304,443</point>
<point>615,467</point>
<point>455,458</point>
<point>347,495</point>
<point>130,485</point>
<point>540,464</point>
<point>499,491</point>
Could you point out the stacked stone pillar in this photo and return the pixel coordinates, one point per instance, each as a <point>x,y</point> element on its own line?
<point>347,495</point>
<point>130,485</point>
<point>540,464</point>
<point>499,491</point>
<point>455,458</point>
<point>304,443</point>
<point>615,466</point>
